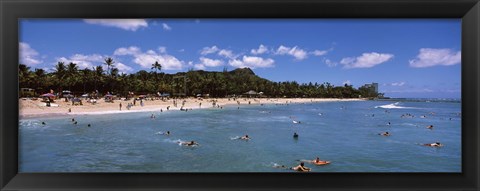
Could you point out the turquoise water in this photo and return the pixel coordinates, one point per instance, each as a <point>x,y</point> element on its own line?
<point>345,133</point>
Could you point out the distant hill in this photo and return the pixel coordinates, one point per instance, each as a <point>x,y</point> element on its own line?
<point>240,71</point>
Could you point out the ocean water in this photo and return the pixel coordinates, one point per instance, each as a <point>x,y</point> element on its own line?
<point>345,133</point>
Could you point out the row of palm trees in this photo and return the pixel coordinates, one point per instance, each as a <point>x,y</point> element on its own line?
<point>216,84</point>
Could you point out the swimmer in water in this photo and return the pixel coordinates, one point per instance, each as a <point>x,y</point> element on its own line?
<point>388,124</point>
<point>246,137</point>
<point>385,134</point>
<point>73,119</point>
<point>317,161</point>
<point>295,135</point>
<point>167,133</point>
<point>279,166</point>
<point>430,127</point>
<point>43,123</point>
<point>436,144</point>
<point>75,123</point>
<point>301,168</point>
<point>191,143</point>
<point>89,125</point>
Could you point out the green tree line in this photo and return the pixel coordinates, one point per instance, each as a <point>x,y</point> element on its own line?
<point>216,84</point>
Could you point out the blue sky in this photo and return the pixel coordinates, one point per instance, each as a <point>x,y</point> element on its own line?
<point>407,57</point>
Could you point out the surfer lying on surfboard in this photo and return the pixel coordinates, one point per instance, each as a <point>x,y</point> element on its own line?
<point>300,167</point>
<point>436,144</point>
<point>188,143</point>
<point>317,161</point>
<point>246,137</point>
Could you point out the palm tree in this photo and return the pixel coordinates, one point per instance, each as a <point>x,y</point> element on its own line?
<point>109,62</point>
<point>24,75</point>
<point>86,78</point>
<point>71,75</point>
<point>98,75</point>
<point>40,79</point>
<point>157,68</point>
<point>60,72</point>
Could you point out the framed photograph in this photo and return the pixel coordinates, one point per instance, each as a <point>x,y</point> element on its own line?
<point>310,95</point>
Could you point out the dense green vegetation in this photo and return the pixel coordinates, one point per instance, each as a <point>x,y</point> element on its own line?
<point>216,84</point>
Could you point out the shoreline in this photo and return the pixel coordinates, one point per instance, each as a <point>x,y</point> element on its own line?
<point>33,108</point>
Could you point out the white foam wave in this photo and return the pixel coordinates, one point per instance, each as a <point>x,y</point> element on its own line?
<point>392,106</point>
<point>177,141</point>
<point>31,124</point>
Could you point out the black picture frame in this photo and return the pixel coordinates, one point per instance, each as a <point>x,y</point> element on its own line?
<point>11,11</point>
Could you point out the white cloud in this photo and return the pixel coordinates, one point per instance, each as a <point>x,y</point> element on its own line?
<point>28,55</point>
<point>209,50</point>
<point>125,24</point>
<point>207,62</point>
<point>162,49</point>
<point>168,62</point>
<point>252,62</point>
<point>83,61</point>
<point>166,27</point>
<point>296,52</point>
<point>398,84</point>
<point>366,60</point>
<point>132,50</point>
<point>199,67</point>
<point>319,52</point>
<point>226,54</point>
<point>429,57</point>
<point>330,63</point>
<point>146,59</point>
<point>282,50</point>
<point>261,49</point>
<point>124,68</point>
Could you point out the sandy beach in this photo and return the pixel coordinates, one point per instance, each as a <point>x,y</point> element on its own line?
<point>36,108</point>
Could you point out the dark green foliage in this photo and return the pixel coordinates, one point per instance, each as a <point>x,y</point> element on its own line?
<point>216,84</point>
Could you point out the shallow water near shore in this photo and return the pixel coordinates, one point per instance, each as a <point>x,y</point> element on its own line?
<point>345,133</point>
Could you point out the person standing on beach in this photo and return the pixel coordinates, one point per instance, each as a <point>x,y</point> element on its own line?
<point>120,105</point>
